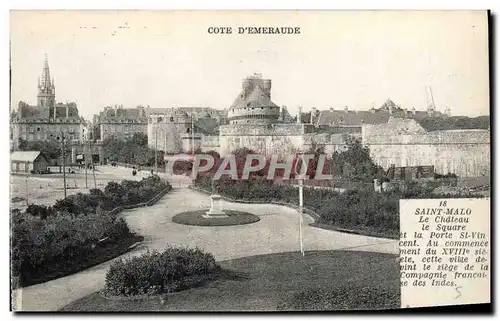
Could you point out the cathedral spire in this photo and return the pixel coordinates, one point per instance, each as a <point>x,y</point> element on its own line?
<point>46,82</point>
<point>46,89</point>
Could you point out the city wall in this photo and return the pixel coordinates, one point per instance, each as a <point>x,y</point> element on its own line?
<point>278,139</point>
<point>210,143</point>
<point>465,153</point>
<point>167,136</point>
<point>274,139</point>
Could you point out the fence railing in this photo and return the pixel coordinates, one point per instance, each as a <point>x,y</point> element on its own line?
<point>161,169</point>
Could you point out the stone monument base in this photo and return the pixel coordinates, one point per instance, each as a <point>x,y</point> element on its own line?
<point>215,213</point>
<point>215,210</point>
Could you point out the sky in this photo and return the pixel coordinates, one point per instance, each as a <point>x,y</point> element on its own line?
<point>340,58</point>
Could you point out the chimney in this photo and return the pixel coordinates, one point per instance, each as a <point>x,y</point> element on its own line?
<point>346,109</point>
<point>413,110</point>
<point>332,110</point>
<point>447,111</point>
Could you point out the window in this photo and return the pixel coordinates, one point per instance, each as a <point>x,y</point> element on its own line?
<point>171,119</point>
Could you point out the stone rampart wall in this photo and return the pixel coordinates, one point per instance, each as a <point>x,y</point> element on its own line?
<point>262,130</point>
<point>210,143</point>
<point>465,153</point>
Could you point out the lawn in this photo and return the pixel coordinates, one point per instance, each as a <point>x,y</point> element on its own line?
<point>323,280</point>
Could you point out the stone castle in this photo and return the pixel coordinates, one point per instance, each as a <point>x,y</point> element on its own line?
<point>392,133</point>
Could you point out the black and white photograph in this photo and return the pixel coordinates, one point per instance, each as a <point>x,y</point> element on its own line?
<point>249,161</point>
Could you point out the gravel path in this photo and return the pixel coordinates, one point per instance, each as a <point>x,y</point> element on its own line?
<point>277,231</point>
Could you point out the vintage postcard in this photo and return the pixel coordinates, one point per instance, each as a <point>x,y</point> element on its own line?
<point>169,161</point>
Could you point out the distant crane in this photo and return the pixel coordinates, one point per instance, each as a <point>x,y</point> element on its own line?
<point>429,99</point>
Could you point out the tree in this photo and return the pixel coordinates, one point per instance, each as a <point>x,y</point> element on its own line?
<point>355,164</point>
<point>456,122</point>
<point>51,149</point>
<point>129,150</point>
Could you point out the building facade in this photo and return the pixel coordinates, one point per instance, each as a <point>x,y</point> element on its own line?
<point>178,129</point>
<point>48,120</point>
<point>116,121</point>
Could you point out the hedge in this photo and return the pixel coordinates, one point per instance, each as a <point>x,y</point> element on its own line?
<point>52,241</point>
<point>151,273</point>
<point>50,246</point>
<point>361,210</point>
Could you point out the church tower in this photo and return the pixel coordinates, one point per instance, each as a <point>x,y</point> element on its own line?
<point>46,91</point>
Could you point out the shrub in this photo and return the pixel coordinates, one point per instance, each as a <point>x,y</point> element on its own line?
<point>39,244</point>
<point>41,211</point>
<point>65,205</point>
<point>362,210</point>
<point>172,270</point>
<point>42,240</point>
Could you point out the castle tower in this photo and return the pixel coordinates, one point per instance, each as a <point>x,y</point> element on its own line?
<point>253,106</point>
<point>46,91</point>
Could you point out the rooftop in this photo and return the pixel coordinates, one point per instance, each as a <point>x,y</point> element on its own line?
<point>24,156</point>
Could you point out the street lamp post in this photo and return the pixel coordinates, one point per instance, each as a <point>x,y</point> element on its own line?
<point>27,202</point>
<point>301,210</point>
<point>192,144</point>
<point>192,132</point>
<point>301,176</point>
<point>156,147</point>
<point>63,161</point>
<point>85,158</point>
<point>92,162</point>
